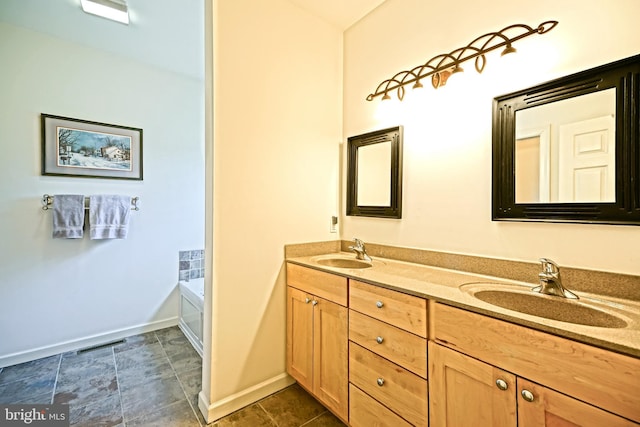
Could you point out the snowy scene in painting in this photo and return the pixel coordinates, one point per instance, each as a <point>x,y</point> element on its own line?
<point>94,150</point>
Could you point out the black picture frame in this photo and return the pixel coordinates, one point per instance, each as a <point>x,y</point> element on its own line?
<point>86,149</point>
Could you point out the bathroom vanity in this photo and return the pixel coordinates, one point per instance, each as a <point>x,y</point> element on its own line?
<point>395,343</point>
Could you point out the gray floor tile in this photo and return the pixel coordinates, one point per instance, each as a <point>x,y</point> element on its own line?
<point>292,407</point>
<point>26,390</point>
<point>78,356</point>
<point>80,390</point>
<point>86,376</point>
<point>178,414</point>
<point>88,364</point>
<point>44,368</point>
<point>136,357</point>
<point>167,334</point>
<point>136,341</point>
<point>153,369</point>
<point>146,398</point>
<point>176,344</point>
<point>44,399</point>
<point>191,382</point>
<point>142,364</point>
<point>253,416</point>
<point>106,412</point>
<point>186,360</point>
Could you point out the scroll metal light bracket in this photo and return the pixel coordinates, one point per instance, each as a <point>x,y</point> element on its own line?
<point>441,67</point>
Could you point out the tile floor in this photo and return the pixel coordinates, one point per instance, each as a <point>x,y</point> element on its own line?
<point>151,379</point>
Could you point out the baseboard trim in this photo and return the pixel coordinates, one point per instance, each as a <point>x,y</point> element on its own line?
<point>37,353</point>
<point>243,398</point>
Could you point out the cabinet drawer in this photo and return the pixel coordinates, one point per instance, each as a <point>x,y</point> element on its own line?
<point>401,391</point>
<point>324,285</point>
<point>600,377</point>
<point>399,346</point>
<point>364,411</point>
<point>404,311</point>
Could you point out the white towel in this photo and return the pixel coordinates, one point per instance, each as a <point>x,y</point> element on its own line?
<point>68,216</point>
<point>109,216</point>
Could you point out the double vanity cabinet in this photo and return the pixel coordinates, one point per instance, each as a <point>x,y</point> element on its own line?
<point>377,356</point>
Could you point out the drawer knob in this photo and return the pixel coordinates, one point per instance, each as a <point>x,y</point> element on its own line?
<point>379,304</point>
<point>380,382</point>
<point>307,300</point>
<point>527,395</point>
<point>502,384</point>
<point>314,302</point>
<point>379,340</point>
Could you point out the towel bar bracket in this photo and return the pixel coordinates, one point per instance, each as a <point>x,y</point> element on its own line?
<point>47,201</point>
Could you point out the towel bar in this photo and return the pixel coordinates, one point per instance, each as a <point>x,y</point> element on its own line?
<point>47,201</point>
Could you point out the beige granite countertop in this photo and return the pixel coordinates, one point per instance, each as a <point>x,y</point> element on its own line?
<point>442,285</point>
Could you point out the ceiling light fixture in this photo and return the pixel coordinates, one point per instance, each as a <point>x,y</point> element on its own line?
<point>116,10</point>
<point>442,66</point>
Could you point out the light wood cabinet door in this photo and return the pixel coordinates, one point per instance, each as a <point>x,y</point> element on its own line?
<point>466,392</point>
<point>330,356</point>
<point>300,337</point>
<point>539,406</point>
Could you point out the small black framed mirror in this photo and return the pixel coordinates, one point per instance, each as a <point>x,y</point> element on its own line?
<point>374,174</point>
<point>569,150</point>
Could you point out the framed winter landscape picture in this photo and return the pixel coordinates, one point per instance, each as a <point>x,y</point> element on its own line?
<point>80,148</point>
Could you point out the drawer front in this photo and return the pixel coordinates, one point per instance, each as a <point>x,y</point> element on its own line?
<point>324,285</point>
<point>365,411</point>
<point>600,377</point>
<point>396,388</point>
<point>404,311</point>
<point>399,346</point>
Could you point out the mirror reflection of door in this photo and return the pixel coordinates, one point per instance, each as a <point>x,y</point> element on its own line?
<point>374,174</point>
<point>587,161</point>
<point>565,150</point>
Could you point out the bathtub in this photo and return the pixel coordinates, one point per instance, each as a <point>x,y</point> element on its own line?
<point>191,311</point>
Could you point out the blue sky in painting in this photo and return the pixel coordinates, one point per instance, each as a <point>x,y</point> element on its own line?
<point>97,140</point>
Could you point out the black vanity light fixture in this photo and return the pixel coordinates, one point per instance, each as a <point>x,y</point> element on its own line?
<point>441,67</point>
<point>116,10</point>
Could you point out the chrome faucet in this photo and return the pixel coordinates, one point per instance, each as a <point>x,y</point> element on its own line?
<point>550,282</point>
<point>359,249</point>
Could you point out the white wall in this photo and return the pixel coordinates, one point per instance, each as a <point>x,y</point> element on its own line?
<point>277,79</point>
<point>57,294</point>
<point>447,139</point>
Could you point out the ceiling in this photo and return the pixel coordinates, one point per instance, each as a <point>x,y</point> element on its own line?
<point>341,13</point>
<point>165,33</point>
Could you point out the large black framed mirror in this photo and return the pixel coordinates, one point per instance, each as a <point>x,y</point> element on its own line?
<point>569,150</point>
<point>374,174</point>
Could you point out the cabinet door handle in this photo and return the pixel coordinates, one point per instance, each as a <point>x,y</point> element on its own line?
<point>307,300</point>
<point>527,395</point>
<point>380,382</point>
<point>379,304</point>
<point>502,384</point>
<point>379,340</point>
<point>314,302</point>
